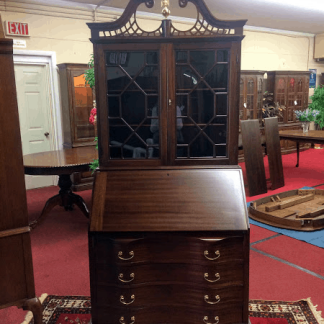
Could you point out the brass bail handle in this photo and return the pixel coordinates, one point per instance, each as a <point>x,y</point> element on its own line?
<point>165,8</point>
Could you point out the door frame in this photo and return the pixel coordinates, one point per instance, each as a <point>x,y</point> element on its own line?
<point>48,59</point>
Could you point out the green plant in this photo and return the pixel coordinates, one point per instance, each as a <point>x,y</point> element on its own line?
<point>89,74</point>
<point>318,104</point>
<point>95,163</point>
<point>306,115</point>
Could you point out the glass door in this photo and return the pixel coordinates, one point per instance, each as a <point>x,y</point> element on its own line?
<point>83,103</point>
<point>201,104</point>
<point>133,101</point>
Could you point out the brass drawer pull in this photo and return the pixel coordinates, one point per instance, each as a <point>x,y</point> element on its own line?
<point>206,320</point>
<point>120,253</point>
<point>216,275</point>
<point>206,298</point>
<point>207,257</point>
<point>121,320</point>
<point>122,300</point>
<point>121,276</point>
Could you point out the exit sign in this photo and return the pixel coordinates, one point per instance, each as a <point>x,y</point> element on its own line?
<point>17,28</point>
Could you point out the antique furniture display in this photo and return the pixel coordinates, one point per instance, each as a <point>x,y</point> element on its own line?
<point>184,261</point>
<point>77,101</point>
<point>255,171</point>
<point>312,136</point>
<point>170,96</point>
<point>16,267</point>
<point>62,163</point>
<point>274,152</point>
<point>300,210</point>
<point>251,94</point>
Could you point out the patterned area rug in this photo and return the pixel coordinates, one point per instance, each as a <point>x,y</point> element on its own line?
<point>76,310</point>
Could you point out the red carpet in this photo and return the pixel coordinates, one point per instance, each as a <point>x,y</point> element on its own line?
<point>297,252</point>
<point>76,310</point>
<point>60,248</point>
<point>309,173</point>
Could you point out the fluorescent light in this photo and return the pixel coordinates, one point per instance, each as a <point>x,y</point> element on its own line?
<point>305,5</point>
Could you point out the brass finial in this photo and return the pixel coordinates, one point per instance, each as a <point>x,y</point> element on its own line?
<point>165,8</point>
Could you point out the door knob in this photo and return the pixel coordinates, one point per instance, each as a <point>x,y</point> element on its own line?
<point>46,134</point>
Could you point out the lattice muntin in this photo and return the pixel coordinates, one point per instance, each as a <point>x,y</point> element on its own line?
<point>203,28</point>
<point>131,29</point>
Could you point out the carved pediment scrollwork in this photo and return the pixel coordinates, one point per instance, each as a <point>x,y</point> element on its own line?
<point>206,24</point>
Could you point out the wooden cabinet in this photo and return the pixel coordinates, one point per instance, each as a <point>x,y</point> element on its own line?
<point>251,94</point>
<point>77,101</point>
<point>168,100</point>
<point>164,248</point>
<point>16,267</point>
<point>291,89</point>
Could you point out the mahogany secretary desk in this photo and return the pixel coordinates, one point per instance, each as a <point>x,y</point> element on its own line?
<point>169,232</point>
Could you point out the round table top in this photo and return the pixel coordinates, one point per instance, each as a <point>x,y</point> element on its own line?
<point>298,134</point>
<point>64,161</point>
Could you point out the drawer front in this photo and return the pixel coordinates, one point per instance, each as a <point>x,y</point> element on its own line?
<point>173,295</point>
<point>167,314</point>
<point>212,276</point>
<point>168,249</point>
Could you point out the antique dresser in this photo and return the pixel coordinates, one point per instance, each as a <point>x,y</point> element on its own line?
<point>169,235</point>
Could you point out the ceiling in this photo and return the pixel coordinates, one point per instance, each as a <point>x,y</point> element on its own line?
<point>293,15</point>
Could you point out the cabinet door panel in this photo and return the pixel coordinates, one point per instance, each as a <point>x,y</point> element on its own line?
<point>201,102</point>
<point>82,100</point>
<point>133,104</point>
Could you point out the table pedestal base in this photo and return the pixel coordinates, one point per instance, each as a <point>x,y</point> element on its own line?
<point>66,198</point>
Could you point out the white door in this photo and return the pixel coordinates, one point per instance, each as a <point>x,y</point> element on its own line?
<point>32,83</point>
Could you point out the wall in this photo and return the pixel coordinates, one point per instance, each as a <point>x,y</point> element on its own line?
<point>63,29</point>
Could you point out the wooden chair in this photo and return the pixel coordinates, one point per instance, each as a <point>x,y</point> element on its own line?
<point>253,156</point>
<point>274,152</point>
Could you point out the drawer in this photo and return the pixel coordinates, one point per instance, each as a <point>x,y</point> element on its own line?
<point>172,295</point>
<point>210,275</point>
<point>167,314</point>
<point>167,249</point>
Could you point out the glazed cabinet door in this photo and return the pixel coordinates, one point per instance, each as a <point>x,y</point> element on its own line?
<point>202,104</point>
<point>131,87</point>
<point>83,133</point>
<point>281,96</point>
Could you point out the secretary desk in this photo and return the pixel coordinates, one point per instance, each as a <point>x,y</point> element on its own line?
<point>169,232</point>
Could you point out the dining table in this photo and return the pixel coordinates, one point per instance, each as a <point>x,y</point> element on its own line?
<point>298,136</point>
<point>62,163</point>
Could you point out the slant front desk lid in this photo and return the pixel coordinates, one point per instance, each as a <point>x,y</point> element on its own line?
<point>169,199</point>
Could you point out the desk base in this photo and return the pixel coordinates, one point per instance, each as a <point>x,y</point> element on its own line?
<point>65,198</point>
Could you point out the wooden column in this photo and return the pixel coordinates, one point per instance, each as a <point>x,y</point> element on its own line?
<point>16,269</point>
